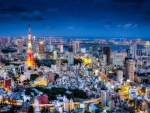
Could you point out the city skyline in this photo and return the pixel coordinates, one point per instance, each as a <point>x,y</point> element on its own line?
<point>95,18</point>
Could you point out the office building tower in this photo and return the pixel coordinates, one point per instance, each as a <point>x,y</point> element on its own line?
<point>139,52</point>
<point>104,59</point>
<point>100,51</point>
<point>119,58</point>
<point>65,101</point>
<point>92,48</point>
<point>21,68</point>
<point>20,45</point>
<point>41,47</point>
<point>111,105</point>
<point>55,54</point>
<point>103,97</point>
<point>8,40</point>
<point>120,76</point>
<point>70,48</point>
<point>61,48</point>
<point>148,92</point>
<point>30,60</point>
<point>70,59</point>
<point>35,48</point>
<point>83,50</point>
<point>130,69</point>
<point>106,51</point>
<point>58,65</point>
<point>133,49</point>
<point>76,46</point>
<point>71,104</point>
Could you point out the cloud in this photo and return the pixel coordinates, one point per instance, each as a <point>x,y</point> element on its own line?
<point>119,25</point>
<point>6,18</point>
<point>5,15</point>
<point>48,27</point>
<point>14,8</point>
<point>135,26</point>
<point>70,28</point>
<point>127,25</point>
<point>33,16</point>
<point>52,10</point>
<point>107,26</point>
<point>129,1</point>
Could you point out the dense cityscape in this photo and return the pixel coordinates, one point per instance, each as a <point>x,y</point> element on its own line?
<point>74,56</point>
<point>55,74</point>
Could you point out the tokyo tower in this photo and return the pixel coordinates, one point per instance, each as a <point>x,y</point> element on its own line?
<point>30,60</point>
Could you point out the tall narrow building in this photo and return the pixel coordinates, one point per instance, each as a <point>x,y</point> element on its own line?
<point>41,47</point>
<point>30,60</point>
<point>20,45</point>
<point>130,69</point>
<point>133,49</point>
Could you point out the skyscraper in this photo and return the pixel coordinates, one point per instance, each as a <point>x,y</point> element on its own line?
<point>76,46</point>
<point>133,49</point>
<point>70,59</point>
<point>20,45</point>
<point>41,47</point>
<point>130,68</point>
<point>61,48</point>
<point>70,48</point>
<point>30,60</point>
<point>106,51</point>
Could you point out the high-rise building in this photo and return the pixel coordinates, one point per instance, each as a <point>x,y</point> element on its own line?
<point>92,48</point>
<point>30,60</point>
<point>70,48</point>
<point>111,105</point>
<point>120,76</point>
<point>61,48</point>
<point>100,51</point>
<point>35,48</point>
<point>148,92</point>
<point>58,65</point>
<point>119,58</point>
<point>133,49</point>
<point>139,52</point>
<point>20,45</point>
<point>8,40</point>
<point>106,51</point>
<point>71,104</point>
<point>130,69</point>
<point>70,59</point>
<point>55,54</point>
<point>76,46</point>
<point>103,97</point>
<point>41,47</point>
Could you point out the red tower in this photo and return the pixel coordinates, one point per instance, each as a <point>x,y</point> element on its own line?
<point>30,60</point>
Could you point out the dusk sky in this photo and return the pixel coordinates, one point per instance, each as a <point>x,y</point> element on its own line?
<point>101,18</point>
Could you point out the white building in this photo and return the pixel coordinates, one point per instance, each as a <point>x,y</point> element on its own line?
<point>103,98</point>
<point>83,50</point>
<point>120,76</point>
<point>61,48</point>
<point>119,58</point>
<point>133,49</point>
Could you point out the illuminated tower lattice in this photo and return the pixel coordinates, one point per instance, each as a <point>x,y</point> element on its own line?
<point>30,60</point>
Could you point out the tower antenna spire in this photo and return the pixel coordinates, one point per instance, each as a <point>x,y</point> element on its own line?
<point>29,28</point>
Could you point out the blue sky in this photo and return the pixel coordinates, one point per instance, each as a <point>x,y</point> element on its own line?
<point>101,18</point>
